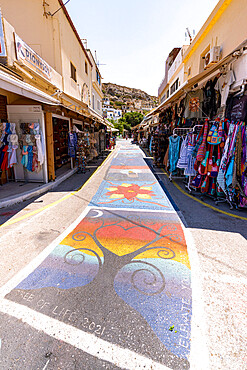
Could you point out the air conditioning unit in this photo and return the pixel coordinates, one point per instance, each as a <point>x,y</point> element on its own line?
<point>212,57</point>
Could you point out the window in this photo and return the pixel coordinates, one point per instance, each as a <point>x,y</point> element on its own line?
<point>98,77</point>
<point>174,87</point>
<point>93,101</point>
<point>73,72</point>
<point>86,68</point>
<point>189,71</point>
<point>98,104</point>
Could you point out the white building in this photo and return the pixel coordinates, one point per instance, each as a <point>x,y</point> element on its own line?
<point>111,113</point>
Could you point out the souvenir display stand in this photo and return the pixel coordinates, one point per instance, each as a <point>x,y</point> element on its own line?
<point>31,162</point>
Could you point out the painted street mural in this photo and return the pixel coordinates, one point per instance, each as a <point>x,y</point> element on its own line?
<point>123,273</point>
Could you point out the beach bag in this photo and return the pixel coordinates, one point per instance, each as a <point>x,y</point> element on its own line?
<point>197,181</point>
<point>196,165</point>
<point>198,143</point>
<point>212,186</point>
<point>205,184</point>
<point>203,167</point>
<point>202,148</point>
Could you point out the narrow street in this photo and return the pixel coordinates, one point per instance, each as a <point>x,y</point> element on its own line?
<point>123,185</point>
<point>101,277</point>
<point>111,290</point>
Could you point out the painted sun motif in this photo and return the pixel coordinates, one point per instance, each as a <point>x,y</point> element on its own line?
<point>130,192</point>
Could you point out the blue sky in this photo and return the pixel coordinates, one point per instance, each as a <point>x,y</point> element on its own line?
<point>133,37</point>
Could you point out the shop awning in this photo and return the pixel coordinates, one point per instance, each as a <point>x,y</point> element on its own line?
<point>16,86</point>
<point>110,128</point>
<point>206,74</point>
<point>96,116</point>
<point>175,95</point>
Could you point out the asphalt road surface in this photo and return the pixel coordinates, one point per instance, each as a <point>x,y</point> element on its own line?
<point>109,277</point>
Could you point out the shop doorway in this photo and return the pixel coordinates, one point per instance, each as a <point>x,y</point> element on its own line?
<point>60,136</point>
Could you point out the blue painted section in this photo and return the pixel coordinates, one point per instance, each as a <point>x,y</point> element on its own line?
<point>158,200</point>
<point>171,307</point>
<point>79,270</point>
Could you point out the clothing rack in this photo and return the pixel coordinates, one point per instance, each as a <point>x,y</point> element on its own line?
<point>180,131</point>
<point>196,129</point>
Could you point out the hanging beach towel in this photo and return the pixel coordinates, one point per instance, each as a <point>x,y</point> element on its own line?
<point>202,148</point>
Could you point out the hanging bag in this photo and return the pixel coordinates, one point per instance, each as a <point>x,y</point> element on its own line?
<point>215,134</point>
<point>212,186</point>
<point>198,143</point>
<point>205,184</point>
<point>202,148</point>
<point>197,181</point>
<point>203,167</point>
<point>213,167</point>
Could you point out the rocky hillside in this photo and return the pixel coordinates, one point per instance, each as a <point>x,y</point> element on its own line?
<point>128,99</point>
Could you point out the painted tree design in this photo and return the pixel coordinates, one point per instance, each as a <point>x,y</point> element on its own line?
<point>166,234</point>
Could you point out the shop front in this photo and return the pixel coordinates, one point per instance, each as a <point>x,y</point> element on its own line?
<point>27,143</point>
<point>23,136</point>
<point>61,129</point>
<point>202,134</point>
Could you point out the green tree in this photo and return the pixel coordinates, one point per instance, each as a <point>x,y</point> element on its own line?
<point>118,125</point>
<point>124,123</point>
<point>133,118</point>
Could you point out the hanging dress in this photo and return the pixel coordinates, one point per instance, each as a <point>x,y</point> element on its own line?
<point>222,169</point>
<point>190,170</point>
<point>174,143</point>
<point>183,159</point>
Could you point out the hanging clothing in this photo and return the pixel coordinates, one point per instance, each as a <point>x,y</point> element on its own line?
<point>222,169</point>
<point>72,142</point>
<point>39,149</point>
<point>190,171</point>
<point>150,145</point>
<point>223,85</point>
<point>4,158</point>
<point>13,157</point>
<point>174,143</point>
<point>193,104</point>
<point>24,159</point>
<point>35,164</point>
<point>237,108</point>
<point>183,159</point>
<point>30,158</point>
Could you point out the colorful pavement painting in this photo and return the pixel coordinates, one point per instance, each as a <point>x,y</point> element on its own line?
<point>123,273</point>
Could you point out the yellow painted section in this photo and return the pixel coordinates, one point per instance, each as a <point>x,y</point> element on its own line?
<point>88,243</point>
<point>116,196</point>
<point>208,27</point>
<point>143,196</point>
<point>122,246</point>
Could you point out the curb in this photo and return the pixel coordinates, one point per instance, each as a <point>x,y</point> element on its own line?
<point>40,190</point>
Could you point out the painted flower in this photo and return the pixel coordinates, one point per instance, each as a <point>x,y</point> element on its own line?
<point>130,192</point>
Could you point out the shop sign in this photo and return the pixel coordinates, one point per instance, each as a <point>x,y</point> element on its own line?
<point>32,60</point>
<point>3,53</point>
